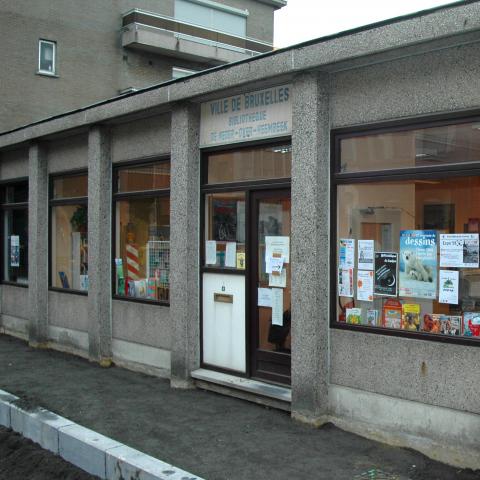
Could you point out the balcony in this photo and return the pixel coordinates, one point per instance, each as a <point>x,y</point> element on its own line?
<point>167,36</point>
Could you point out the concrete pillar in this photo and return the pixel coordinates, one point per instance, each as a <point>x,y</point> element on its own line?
<point>37,245</point>
<point>99,245</point>
<point>310,247</point>
<point>184,238</point>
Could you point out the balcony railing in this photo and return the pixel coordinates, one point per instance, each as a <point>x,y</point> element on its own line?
<point>152,31</point>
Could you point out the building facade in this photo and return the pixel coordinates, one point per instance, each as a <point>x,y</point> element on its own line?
<point>63,54</point>
<point>300,229</point>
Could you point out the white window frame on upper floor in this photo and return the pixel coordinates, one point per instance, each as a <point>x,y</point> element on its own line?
<point>209,7</point>
<point>41,42</point>
<point>221,6</point>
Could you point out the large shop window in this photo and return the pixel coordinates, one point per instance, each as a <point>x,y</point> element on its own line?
<point>142,232</point>
<point>408,223</point>
<point>69,232</point>
<point>15,233</point>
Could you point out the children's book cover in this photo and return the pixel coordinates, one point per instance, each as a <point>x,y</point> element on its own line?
<point>411,317</point>
<point>418,263</point>
<point>471,324</point>
<point>372,318</point>
<point>130,287</point>
<point>431,323</point>
<point>151,288</point>
<point>140,288</point>
<point>451,324</point>
<point>392,314</point>
<point>354,315</point>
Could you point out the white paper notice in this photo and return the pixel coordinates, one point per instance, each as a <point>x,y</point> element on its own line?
<point>277,247</point>
<point>347,253</point>
<point>274,265</point>
<point>345,282</point>
<point>277,306</point>
<point>459,250</point>
<point>210,252</point>
<point>279,281</point>
<point>365,254</point>
<point>365,285</point>
<point>448,287</point>
<point>231,255</point>
<point>14,251</point>
<point>264,297</point>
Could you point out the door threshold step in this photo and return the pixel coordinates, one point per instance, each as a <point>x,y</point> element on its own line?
<point>267,394</point>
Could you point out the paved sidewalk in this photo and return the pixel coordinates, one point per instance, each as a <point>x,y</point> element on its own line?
<point>212,436</point>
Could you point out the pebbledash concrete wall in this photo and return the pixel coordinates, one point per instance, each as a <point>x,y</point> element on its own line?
<point>400,390</point>
<point>140,334</point>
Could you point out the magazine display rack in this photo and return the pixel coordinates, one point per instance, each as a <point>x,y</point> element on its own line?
<point>158,267</point>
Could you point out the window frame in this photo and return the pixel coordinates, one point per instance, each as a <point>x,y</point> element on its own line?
<point>58,202</point>
<point>337,178</point>
<point>42,42</point>
<point>244,186</point>
<point>5,206</point>
<point>211,7</point>
<point>119,196</point>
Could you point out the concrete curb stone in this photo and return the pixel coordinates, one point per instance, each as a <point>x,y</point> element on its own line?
<point>125,462</point>
<point>6,400</point>
<point>39,425</point>
<point>85,448</point>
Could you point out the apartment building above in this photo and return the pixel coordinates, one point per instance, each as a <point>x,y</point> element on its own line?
<point>65,54</point>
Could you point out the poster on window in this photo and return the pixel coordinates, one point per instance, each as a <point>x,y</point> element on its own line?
<point>418,264</point>
<point>448,287</point>
<point>385,280</point>
<point>225,220</point>
<point>345,282</point>
<point>365,254</point>
<point>14,251</point>
<point>459,250</point>
<point>347,253</point>
<point>365,285</point>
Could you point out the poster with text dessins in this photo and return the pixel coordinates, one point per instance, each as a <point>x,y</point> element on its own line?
<point>418,264</point>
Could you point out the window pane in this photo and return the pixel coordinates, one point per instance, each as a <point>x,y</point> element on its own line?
<point>210,17</point>
<point>46,56</point>
<point>70,187</point>
<point>143,177</point>
<point>142,263</point>
<point>17,193</point>
<point>415,148</point>
<point>16,245</point>
<point>225,230</point>
<point>250,164</point>
<point>422,251</point>
<point>70,247</point>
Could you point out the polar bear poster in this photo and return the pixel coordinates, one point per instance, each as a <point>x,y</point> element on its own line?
<point>418,264</point>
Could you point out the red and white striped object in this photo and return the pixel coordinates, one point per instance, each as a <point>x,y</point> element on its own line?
<point>133,267</point>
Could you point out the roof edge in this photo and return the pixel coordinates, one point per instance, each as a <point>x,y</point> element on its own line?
<point>274,3</point>
<point>320,40</point>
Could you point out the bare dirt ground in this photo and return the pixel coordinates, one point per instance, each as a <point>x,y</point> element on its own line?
<point>215,437</point>
<point>21,459</point>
